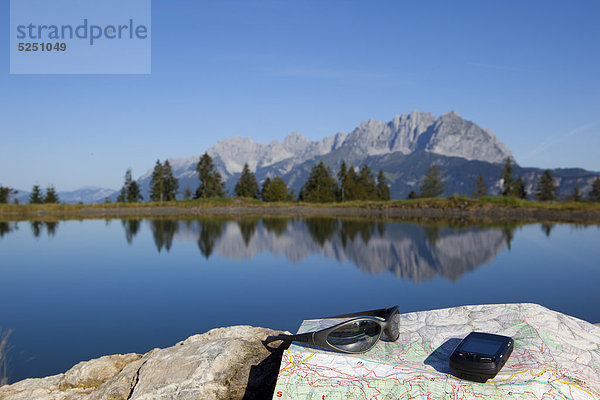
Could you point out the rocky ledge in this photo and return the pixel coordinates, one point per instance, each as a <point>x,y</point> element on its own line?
<point>224,363</point>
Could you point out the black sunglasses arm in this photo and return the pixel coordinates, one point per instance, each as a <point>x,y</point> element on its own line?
<point>317,338</point>
<point>307,338</point>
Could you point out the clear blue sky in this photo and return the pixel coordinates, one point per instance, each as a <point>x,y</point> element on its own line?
<point>530,71</point>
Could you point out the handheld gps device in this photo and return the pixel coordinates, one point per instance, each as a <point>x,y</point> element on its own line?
<point>480,356</point>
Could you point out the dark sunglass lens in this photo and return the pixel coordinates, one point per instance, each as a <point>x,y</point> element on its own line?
<point>355,336</point>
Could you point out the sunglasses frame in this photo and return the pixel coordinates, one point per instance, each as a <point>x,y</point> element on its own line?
<point>318,338</point>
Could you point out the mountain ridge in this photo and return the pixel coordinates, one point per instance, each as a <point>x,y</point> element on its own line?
<point>418,132</point>
<point>403,148</point>
<point>448,134</point>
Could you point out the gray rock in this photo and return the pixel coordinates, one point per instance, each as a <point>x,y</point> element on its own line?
<point>224,363</point>
<point>456,137</point>
<point>79,382</point>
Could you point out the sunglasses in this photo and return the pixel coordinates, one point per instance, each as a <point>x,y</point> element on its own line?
<point>357,335</point>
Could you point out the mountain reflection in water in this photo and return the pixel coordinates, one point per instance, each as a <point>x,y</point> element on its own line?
<point>408,251</point>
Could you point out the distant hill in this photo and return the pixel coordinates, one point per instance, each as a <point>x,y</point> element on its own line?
<point>84,195</point>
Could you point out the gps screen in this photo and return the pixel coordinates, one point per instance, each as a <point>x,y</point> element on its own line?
<point>481,346</point>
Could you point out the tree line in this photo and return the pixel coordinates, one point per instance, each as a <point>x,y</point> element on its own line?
<point>545,189</point>
<point>322,186</point>
<point>35,197</point>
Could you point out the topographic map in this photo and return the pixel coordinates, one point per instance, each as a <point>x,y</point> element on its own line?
<point>555,357</point>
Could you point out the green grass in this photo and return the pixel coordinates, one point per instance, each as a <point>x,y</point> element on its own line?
<point>27,211</point>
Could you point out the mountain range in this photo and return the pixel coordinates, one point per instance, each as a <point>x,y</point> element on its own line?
<point>404,148</point>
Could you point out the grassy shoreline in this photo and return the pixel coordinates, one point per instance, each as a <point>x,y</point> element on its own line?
<point>461,208</point>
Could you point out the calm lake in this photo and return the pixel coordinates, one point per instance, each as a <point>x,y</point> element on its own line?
<point>76,290</point>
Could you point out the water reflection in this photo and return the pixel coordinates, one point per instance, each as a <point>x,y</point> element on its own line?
<point>132,227</point>
<point>38,226</point>
<point>321,229</point>
<point>247,228</point>
<point>211,229</point>
<point>508,233</point>
<point>432,233</point>
<point>350,229</point>
<point>408,251</point>
<point>7,227</point>
<point>274,225</point>
<point>163,231</point>
<point>51,227</point>
<point>547,229</point>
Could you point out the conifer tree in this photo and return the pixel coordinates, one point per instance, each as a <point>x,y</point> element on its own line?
<point>187,193</point>
<point>163,185</point>
<point>5,193</point>
<point>246,185</point>
<point>341,175</point>
<point>432,183</point>
<point>367,183</point>
<point>211,184</point>
<point>352,191</point>
<point>383,190</point>
<point>595,192</point>
<point>320,186</point>
<point>171,183</point>
<point>480,188</point>
<point>157,183</point>
<point>546,188</point>
<point>519,189</point>
<point>412,195</point>
<point>576,195</point>
<point>123,194</point>
<point>265,188</point>
<point>130,192</point>
<point>507,180</point>
<point>51,196</point>
<point>134,194</point>
<point>276,190</point>
<point>36,196</point>
<point>122,197</point>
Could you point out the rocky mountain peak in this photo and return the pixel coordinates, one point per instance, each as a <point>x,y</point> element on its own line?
<point>450,114</point>
<point>295,142</point>
<point>448,135</point>
<point>236,151</point>
<point>454,136</point>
